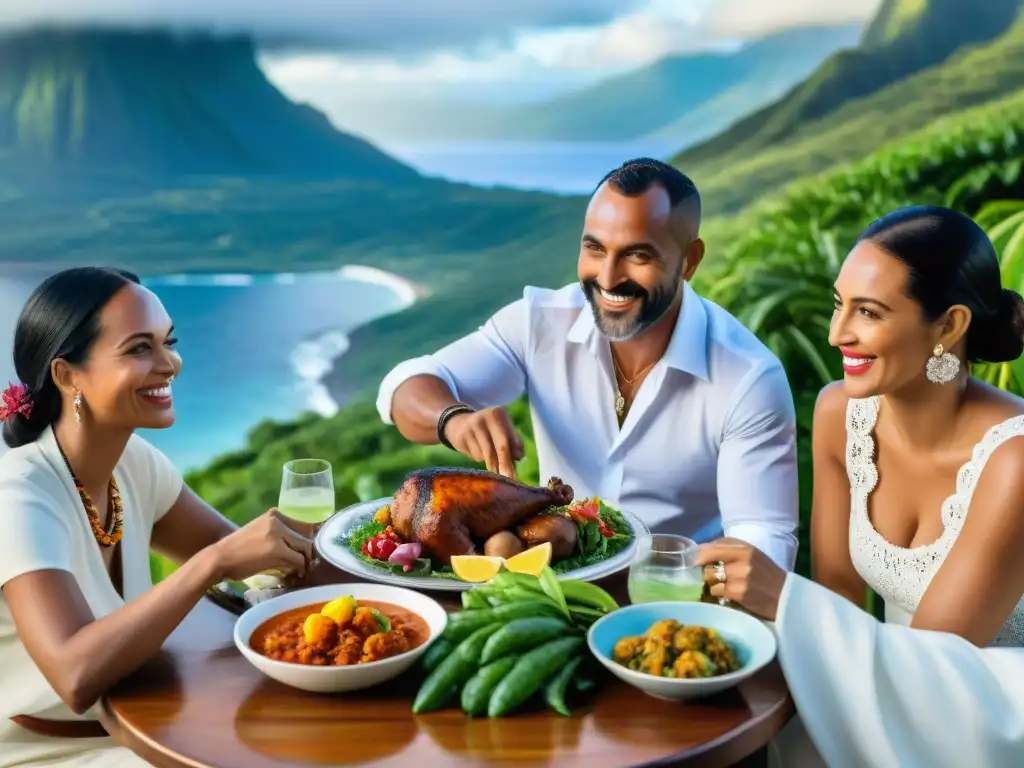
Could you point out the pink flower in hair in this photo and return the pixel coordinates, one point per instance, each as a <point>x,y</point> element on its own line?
<point>15,399</point>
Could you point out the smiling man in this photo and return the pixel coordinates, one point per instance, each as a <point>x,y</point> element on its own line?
<point>642,392</point>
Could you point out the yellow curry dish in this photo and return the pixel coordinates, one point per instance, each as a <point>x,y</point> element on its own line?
<point>671,649</point>
<point>340,633</point>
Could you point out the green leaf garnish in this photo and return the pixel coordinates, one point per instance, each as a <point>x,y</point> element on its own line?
<point>382,621</point>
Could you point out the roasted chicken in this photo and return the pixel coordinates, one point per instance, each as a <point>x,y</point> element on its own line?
<point>452,510</point>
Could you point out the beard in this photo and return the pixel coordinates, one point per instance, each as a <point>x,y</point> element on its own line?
<point>630,323</point>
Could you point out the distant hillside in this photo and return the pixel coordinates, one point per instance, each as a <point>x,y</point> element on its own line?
<point>773,147</point>
<point>639,103</point>
<point>159,105</point>
<point>631,106</point>
<point>923,39</point>
<point>763,85</point>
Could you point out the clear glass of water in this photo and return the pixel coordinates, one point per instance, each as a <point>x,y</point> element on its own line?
<point>665,569</point>
<point>307,490</point>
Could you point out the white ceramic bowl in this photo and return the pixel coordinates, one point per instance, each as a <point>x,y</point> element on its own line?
<point>752,641</point>
<point>338,679</point>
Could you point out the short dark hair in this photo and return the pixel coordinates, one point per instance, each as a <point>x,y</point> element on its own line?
<point>952,261</point>
<point>634,177</point>
<point>59,320</point>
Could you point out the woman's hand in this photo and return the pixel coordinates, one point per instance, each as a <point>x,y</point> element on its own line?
<point>270,542</point>
<point>751,578</point>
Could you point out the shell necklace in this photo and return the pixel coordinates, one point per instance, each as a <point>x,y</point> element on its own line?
<point>115,528</point>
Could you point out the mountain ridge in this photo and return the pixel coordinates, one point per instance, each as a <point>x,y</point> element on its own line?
<point>161,104</point>
<point>937,31</point>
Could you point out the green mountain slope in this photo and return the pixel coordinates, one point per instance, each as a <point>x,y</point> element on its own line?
<point>894,19</point>
<point>705,120</point>
<point>432,232</point>
<point>857,127</point>
<point>906,37</point>
<point>158,104</point>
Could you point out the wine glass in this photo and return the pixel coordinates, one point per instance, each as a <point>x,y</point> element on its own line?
<point>665,569</point>
<point>307,491</point>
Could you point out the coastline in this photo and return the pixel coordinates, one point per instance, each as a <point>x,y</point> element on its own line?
<point>307,362</point>
<point>315,360</point>
<point>318,361</point>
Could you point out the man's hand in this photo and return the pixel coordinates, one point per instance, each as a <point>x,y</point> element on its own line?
<point>487,436</point>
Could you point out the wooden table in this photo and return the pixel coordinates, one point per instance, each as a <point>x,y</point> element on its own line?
<point>200,703</point>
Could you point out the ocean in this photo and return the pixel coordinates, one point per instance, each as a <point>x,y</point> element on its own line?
<point>257,347</point>
<point>561,167</point>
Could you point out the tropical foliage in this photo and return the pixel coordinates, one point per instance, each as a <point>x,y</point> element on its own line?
<point>777,272</point>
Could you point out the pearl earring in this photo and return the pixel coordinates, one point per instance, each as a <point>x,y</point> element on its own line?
<point>78,409</point>
<point>942,367</point>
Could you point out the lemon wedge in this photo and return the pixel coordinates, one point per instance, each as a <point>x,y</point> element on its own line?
<point>532,561</point>
<point>476,568</point>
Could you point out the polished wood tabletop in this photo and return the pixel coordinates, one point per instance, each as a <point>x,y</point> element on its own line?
<point>200,703</point>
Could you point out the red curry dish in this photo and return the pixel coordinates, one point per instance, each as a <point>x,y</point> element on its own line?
<point>340,633</point>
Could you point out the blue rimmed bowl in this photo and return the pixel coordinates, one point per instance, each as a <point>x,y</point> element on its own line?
<point>750,638</point>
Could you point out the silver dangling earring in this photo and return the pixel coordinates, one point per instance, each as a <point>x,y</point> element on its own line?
<point>942,367</point>
<point>78,409</point>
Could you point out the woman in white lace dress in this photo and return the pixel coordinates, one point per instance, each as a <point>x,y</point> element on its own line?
<point>918,494</point>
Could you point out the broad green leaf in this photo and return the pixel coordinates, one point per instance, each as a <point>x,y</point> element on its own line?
<point>812,353</point>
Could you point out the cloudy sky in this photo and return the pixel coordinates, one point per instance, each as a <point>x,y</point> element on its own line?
<point>503,47</point>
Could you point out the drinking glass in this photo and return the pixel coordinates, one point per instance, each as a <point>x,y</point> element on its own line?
<point>665,569</point>
<point>307,490</point>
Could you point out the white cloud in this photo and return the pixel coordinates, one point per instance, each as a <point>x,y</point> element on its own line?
<point>755,18</point>
<point>573,53</point>
<point>357,45</point>
<point>396,26</point>
<point>441,67</point>
<point>625,42</point>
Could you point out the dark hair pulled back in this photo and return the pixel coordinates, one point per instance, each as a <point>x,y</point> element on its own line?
<point>952,261</point>
<point>59,320</point>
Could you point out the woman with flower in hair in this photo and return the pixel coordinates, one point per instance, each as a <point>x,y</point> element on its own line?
<point>82,499</point>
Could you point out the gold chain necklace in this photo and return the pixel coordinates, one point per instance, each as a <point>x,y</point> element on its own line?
<point>620,401</point>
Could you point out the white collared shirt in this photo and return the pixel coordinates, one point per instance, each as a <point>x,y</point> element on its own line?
<point>707,447</point>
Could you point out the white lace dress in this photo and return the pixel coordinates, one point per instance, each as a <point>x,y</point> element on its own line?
<point>900,576</point>
<point>885,695</point>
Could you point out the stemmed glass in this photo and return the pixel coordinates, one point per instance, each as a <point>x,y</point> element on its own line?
<point>665,569</point>
<point>307,491</point>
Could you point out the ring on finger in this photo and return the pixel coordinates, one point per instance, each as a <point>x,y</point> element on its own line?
<point>724,601</point>
<point>720,572</point>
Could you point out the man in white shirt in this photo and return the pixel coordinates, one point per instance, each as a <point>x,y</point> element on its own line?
<point>642,392</point>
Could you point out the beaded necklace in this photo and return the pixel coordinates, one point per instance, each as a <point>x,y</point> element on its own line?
<point>112,535</point>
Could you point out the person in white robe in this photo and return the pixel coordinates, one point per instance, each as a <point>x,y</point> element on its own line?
<point>874,694</point>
